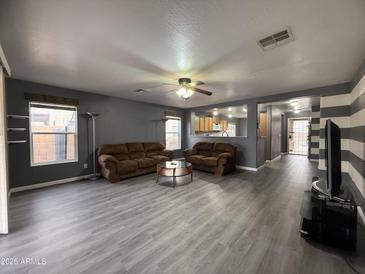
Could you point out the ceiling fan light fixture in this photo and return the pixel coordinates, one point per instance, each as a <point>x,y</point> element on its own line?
<point>185,92</point>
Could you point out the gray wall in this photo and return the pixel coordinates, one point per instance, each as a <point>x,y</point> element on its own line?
<point>246,146</point>
<point>125,121</point>
<point>120,121</point>
<point>242,127</point>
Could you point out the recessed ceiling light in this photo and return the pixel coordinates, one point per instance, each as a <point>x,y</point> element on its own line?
<point>229,109</point>
<point>229,115</point>
<point>294,103</point>
<point>297,111</point>
<point>215,113</point>
<point>297,107</point>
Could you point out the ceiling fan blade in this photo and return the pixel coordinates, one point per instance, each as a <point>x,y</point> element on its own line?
<point>197,83</point>
<point>169,84</point>
<point>157,86</point>
<point>205,92</point>
<point>141,90</point>
<point>172,90</point>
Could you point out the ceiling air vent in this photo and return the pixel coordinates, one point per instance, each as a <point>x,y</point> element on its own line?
<point>276,40</point>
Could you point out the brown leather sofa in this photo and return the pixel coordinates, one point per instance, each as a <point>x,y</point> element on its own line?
<point>120,161</point>
<point>219,158</point>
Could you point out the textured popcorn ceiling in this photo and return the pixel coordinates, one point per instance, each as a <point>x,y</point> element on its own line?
<point>115,47</point>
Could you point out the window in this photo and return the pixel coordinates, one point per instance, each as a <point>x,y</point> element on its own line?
<point>53,133</point>
<point>173,133</point>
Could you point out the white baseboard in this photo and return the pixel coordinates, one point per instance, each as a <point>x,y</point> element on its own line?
<point>249,168</point>
<point>275,159</point>
<point>246,168</point>
<point>50,183</point>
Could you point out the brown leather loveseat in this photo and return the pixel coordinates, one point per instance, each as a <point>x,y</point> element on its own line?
<point>120,161</point>
<point>219,158</point>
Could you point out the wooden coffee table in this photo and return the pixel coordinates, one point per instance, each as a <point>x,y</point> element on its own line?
<point>174,169</point>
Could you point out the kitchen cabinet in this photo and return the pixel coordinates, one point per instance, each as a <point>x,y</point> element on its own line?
<point>224,125</point>
<point>201,123</point>
<point>196,123</point>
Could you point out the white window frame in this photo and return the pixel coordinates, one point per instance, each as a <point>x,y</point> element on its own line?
<point>180,131</point>
<point>32,164</point>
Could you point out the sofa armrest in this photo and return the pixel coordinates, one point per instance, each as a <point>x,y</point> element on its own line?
<point>189,152</point>
<point>225,155</point>
<point>224,158</point>
<point>109,167</point>
<point>167,153</point>
<point>107,158</point>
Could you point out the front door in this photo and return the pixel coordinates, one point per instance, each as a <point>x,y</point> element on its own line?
<point>298,136</point>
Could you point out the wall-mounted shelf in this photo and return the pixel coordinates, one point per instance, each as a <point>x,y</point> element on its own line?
<point>12,116</point>
<point>17,129</point>
<point>17,142</point>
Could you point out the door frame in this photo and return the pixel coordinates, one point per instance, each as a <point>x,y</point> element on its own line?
<point>4,185</point>
<point>288,133</point>
<point>4,189</point>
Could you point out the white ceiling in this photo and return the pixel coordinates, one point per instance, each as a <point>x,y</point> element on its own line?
<point>300,103</point>
<point>116,47</point>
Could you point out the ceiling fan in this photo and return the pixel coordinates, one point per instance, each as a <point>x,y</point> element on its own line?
<point>185,88</point>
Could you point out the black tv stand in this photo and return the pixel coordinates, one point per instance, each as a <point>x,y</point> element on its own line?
<point>331,220</point>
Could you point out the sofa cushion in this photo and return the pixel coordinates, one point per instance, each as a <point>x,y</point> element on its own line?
<point>137,155</point>
<point>135,147</point>
<point>145,162</point>
<point>159,158</point>
<point>113,149</point>
<point>153,147</point>
<point>196,159</point>
<point>127,166</point>
<point>203,146</point>
<point>121,156</point>
<point>223,147</point>
<point>210,161</point>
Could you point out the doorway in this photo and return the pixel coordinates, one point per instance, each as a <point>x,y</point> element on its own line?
<point>298,136</point>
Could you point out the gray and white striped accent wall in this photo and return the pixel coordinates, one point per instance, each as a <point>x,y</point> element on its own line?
<point>335,108</point>
<point>357,135</point>
<point>314,134</point>
<point>348,112</point>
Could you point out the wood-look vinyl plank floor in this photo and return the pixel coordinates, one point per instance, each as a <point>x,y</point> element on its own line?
<point>245,222</point>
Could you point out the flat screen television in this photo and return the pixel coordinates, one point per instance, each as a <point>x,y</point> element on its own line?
<point>333,157</point>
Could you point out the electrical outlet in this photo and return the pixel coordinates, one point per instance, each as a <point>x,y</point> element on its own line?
<point>85,165</point>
